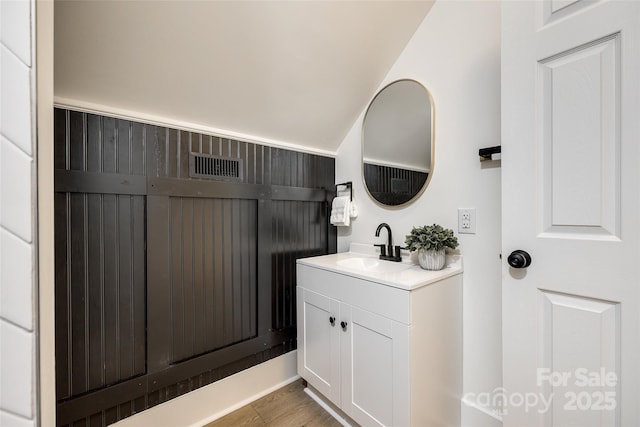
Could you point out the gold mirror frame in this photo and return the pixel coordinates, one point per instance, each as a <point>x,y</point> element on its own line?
<point>419,192</point>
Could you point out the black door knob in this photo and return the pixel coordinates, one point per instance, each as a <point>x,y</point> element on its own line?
<point>344,325</point>
<point>332,320</point>
<point>519,259</point>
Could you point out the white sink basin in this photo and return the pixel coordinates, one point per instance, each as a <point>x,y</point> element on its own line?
<point>362,262</point>
<point>372,265</point>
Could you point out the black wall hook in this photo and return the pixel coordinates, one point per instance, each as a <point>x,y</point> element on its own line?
<point>486,153</point>
<point>348,184</point>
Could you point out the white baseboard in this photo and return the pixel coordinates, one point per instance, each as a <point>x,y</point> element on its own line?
<point>474,415</point>
<point>215,400</point>
<point>327,407</point>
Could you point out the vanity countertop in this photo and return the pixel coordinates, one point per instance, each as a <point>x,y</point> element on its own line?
<point>362,262</point>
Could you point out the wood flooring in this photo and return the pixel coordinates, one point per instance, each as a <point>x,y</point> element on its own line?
<point>289,406</point>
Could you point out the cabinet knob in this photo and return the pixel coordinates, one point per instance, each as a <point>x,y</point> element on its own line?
<point>344,325</point>
<point>332,320</point>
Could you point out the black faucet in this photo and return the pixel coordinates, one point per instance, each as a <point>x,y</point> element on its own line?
<point>387,253</point>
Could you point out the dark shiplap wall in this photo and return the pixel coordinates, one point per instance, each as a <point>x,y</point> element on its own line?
<point>100,290</point>
<point>297,232</point>
<point>213,274</point>
<point>100,258</point>
<point>166,283</point>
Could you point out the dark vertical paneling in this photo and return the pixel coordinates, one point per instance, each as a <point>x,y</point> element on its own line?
<point>187,283</point>
<point>109,145</point>
<point>288,167</point>
<point>248,156</point>
<point>299,169</point>
<point>263,165</point>
<point>110,289</point>
<point>227,279</point>
<point>100,259</point>
<point>94,143</point>
<point>138,141</point>
<point>213,306</point>
<point>155,148</point>
<point>276,273</point>
<point>326,179</point>
<point>199,283</point>
<point>62,294</point>
<point>216,148</point>
<point>218,278</point>
<point>96,420</point>
<point>238,237</point>
<point>176,297</point>
<point>95,256</point>
<point>140,404</point>
<point>139,265</point>
<point>172,153</point>
<point>100,280</point>
<point>297,230</point>
<point>277,169</point>
<point>78,291</point>
<point>77,146</point>
<point>123,136</point>
<point>134,353</point>
<point>60,138</point>
<point>125,281</point>
<point>248,270</point>
<point>184,140</point>
<point>208,323</point>
<point>160,283</point>
<point>221,271</point>
<point>208,144</point>
<point>111,415</point>
<point>124,410</point>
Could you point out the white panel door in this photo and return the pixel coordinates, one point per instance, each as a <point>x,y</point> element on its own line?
<point>319,343</point>
<point>374,368</point>
<point>571,190</point>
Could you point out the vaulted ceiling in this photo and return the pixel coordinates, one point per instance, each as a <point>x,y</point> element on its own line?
<point>298,72</point>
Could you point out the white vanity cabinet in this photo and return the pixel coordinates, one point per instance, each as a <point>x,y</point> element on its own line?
<point>351,360</point>
<point>382,354</point>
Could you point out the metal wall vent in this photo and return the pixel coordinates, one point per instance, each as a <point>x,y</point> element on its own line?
<point>215,167</point>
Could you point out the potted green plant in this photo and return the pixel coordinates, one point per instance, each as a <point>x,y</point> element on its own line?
<point>431,242</point>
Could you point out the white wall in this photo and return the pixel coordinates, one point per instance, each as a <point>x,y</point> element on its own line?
<point>266,69</point>
<point>17,216</point>
<point>455,53</point>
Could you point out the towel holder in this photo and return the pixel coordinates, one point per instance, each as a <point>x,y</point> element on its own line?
<point>348,184</point>
<point>490,153</point>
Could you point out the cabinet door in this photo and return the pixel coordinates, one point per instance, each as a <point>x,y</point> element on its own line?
<point>319,343</point>
<point>375,368</point>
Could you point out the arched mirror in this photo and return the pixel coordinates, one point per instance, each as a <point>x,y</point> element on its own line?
<point>397,143</point>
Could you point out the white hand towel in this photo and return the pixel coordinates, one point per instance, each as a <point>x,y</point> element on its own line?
<point>340,208</point>
<point>353,211</point>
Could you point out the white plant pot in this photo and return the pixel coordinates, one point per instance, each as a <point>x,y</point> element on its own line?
<point>432,259</point>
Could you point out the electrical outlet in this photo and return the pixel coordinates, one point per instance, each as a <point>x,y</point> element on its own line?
<point>467,220</point>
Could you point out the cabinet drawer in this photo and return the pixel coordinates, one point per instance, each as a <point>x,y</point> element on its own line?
<point>387,301</point>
